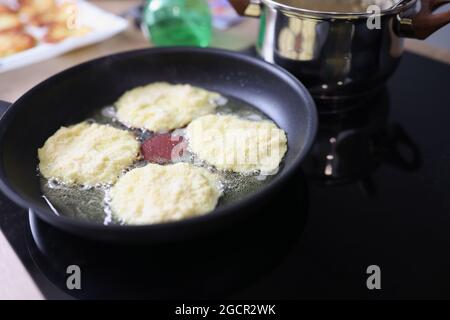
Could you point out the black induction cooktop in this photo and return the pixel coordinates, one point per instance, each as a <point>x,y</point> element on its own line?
<point>375,190</point>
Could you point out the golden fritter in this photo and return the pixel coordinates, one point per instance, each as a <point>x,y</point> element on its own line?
<point>15,41</point>
<point>5,9</point>
<point>9,21</point>
<point>31,8</point>
<point>67,13</point>
<point>60,31</point>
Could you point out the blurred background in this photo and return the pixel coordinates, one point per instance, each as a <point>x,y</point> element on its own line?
<point>61,33</point>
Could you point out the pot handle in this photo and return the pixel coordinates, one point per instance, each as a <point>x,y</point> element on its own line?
<point>424,23</point>
<point>249,8</point>
<point>3,107</point>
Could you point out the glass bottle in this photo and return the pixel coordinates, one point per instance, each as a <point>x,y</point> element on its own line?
<point>178,22</point>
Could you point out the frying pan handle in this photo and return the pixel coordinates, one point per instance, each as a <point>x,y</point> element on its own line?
<point>425,22</point>
<point>3,107</point>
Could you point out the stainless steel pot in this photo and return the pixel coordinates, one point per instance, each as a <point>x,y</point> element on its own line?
<point>339,54</point>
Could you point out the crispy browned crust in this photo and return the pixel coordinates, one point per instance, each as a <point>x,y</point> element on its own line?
<point>31,8</point>
<point>60,31</point>
<point>64,13</point>
<point>9,21</point>
<point>15,41</point>
<point>5,9</point>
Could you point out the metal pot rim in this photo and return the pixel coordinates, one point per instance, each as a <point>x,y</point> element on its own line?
<point>335,15</point>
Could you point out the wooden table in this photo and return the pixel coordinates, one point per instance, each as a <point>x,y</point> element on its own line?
<point>14,280</point>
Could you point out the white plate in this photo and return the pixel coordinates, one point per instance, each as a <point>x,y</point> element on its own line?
<point>103,24</point>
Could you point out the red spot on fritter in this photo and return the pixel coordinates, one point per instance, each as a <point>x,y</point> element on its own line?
<point>163,148</point>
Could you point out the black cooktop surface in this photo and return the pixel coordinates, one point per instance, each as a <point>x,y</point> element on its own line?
<point>375,190</point>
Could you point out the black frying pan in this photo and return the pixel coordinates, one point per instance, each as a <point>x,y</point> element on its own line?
<point>70,96</point>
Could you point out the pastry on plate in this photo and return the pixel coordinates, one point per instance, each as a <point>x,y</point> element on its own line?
<point>5,9</point>
<point>15,41</point>
<point>31,8</point>
<point>58,32</point>
<point>9,20</point>
<point>67,13</point>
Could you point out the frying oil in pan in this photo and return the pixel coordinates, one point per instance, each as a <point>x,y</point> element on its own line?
<point>91,203</point>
